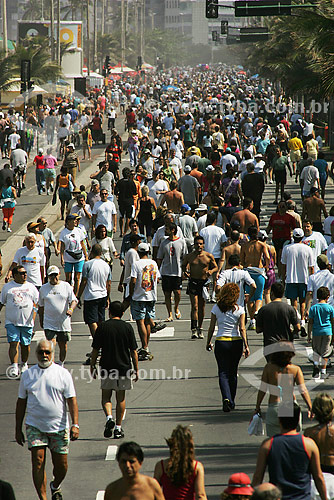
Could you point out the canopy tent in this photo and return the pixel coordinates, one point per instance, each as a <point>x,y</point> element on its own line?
<point>118,69</point>
<point>147,66</point>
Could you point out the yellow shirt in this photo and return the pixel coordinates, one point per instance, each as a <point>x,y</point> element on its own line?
<point>295,144</point>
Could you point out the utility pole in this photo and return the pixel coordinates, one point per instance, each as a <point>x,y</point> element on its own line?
<point>52,27</point>
<point>127,16</point>
<point>88,40</point>
<point>4,27</point>
<point>103,16</point>
<point>135,5</point>
<point>42,10</point>
<point>58,32</point>
<point>122,34</point>
<point>142,14</point>
<point>95,36</point>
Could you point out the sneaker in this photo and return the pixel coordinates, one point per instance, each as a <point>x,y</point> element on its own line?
<point>252,325</point>
<point>118,434</point>
<point>226,405</point>
<point>144,355</point>
<point>47,192</point>
<point>271,181</point>
<point>200,333</point>
<point>316,371</point>
<point>4,226</point>
<point>9,230</point>
<point>194,333</point>
<point>24,367</point>
<point>86,362</point>
<point>23,185</point>
<point>303,331</point>
<point>13,371</point>
<point>324,376</point>
<point>110,424</point>
<point>55,492</point>
<point>157,327</point>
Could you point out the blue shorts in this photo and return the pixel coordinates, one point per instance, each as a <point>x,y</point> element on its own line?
<point>295,291</point>
<point>140,309</point>
<point>260,281</point>
<point>22,334</point>
<point>68,268</point>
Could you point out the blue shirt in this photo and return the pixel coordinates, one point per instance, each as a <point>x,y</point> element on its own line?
<point>321,315</point>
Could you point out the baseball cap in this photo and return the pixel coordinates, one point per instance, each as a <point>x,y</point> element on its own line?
<point>40,150</point>
<point>323,259</point>
<point>262,234</point>
<point>298,233</point>
<point>143,248</point>
<point>53,270</point>
<point>193,149</point>
<point>185,207</point>
<point>94,183</point>
<point>71,217</point>
<point>210,168</point>
<point>76,191</point>
<point>32,225</point>
<point>71,145</point>
<point>202,206</point>
<point>228,150</point>
<point>187,168</point>
<point>239,484</point>
<point>77,216</point>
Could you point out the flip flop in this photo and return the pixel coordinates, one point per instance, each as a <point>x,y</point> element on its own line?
<point>168,320</point>
<point>178,315</point>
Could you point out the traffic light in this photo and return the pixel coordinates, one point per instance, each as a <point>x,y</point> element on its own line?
<point>215,36</point>
<point>211,9</point>
<point>23,87</point>
<point>223,27</point>
<point>251,8</point>
<point>106,66</point>
<point>30,84</point>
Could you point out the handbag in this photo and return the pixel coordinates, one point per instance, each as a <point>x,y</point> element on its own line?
<point>255,427</point>
<point>75,255</point>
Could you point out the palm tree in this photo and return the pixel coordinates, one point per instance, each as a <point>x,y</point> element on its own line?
<point>38,52</point>
<point>32,10</point>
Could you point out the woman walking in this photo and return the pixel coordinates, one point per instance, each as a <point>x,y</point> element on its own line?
<point>8,193</point>
<point>144,213</point>
<point>65,185</point>
<point>231,341</point>
<point>270,273</point>
<point>108,248</point>
<point>180,476</point>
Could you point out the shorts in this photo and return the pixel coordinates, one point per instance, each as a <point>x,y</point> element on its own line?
<point>126,210</point>
<point>195,287</point>
<point>58,442</point>
<point>22,334</point>
<point>171,283</point>
<point>321,344</point>
<point>295,291</point>
<point>295,155</point>
<point>68,268</point>
<point>260,281</point>
<point>94,311</point>
<point>60,336</point>
<point>280,176</point>
<point>116,384</point>
<point>272,422</point>
<point>279,243</point>
<point>142,309</point>
<point>50,173</point>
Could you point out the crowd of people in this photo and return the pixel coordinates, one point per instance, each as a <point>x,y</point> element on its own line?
<point>188,209</point>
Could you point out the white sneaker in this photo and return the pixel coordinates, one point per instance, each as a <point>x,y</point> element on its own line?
<point>271,181</point>
<point>13,371</point>
<point>24,367</point>
<point>9,230</point>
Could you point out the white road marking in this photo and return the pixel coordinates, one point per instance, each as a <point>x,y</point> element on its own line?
<point>111,452</point>
<point>124,415</point>
<point>39,335</point>
<point>100,495</point>
<point>166,332</point>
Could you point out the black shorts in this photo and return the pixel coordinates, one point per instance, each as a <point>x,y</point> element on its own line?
<point>280,176</point>
<point>94,311</point>
<point>171,283</point>
<point>126,210</point>
<point>195,287</point>
<point>279,243</point>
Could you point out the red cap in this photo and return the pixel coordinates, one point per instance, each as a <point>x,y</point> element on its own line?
<point>239,484</point>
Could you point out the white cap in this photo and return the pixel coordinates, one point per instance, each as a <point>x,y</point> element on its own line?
<point>143,248</point>
<point>53,270</point>
<point>202,207</point>
<point>298,232</point>
<point>210,168</point>
<point>71,145</point>
<point>40,150</point>
<point>187,168</point>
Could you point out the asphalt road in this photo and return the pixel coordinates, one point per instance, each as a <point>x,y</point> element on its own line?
<point>179,386</point>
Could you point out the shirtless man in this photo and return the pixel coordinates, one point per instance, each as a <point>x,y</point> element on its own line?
<point>173,198</point>
<point>251,259</point>
<point>132,485</point>
<point>246,217</point>
<point>233,248</point>
<point>201,266</point>
<point>313,207</point>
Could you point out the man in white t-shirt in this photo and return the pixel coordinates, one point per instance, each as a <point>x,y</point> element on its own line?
<point>161,235</point>
<point>228,159</point>
<point>157,187</point>
<point>143,293</point>
<point>104,213</point>
<point>298,264</point>
<point>176,164</point>
<point>315,240</point>
<point>236,274</point>
<point>20,299</point>
<point>214,241</point>
<point>83,210</point>
<point>45,392</point>
<point>130,258</point>
<point>56,305</point>
<point>323,277</point>
<point>13,140</point>
<point>309,178</point>
<point>31,258</point>
<point>95,287</point>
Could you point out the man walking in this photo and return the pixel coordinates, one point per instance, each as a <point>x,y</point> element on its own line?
<point>20,299</point>
<point>31,258</point>
<point>125,190</point>
<point>169,259</point>
<point>189,187</point>
<point>105,214</point>
<point>253,187</point>
<point>56,305</point>
<point>118,345</point>
<point>44,391</point>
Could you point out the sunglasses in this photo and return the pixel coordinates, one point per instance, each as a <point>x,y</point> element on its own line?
<point>44,352</point>
<point>22,272</point>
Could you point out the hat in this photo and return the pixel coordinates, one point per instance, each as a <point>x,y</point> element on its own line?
<point>185,207</point>
<point>71,145</point>
<point>53,270</point>
<point>210,168</point>
<point>323,259</point>
<point>187,168</point>
<point>193,149</point>
<point>40,150</point>
<point>314,190</point>
<point>262,234</point>
<point>146,151</point>
<point>258,155</point>
<point>202,207</point>
<point>95,182</point>
<point>71,217</point>
<point>228,150</point>
<point>143,248</point>
<point>239,484</point>
<point>298,233</point>
<point>77,216</point>
<point>31,225</point>
<point>76,191</point>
